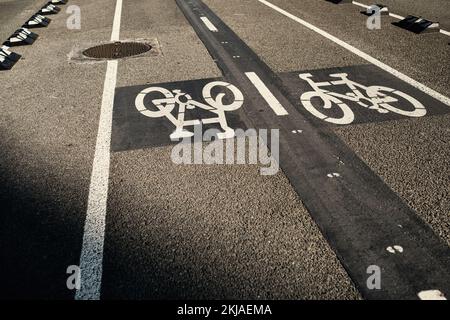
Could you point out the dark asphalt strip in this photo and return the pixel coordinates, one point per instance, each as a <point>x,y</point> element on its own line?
<point>359,215</point>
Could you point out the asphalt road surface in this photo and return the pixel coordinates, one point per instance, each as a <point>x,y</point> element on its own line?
<point>88,178</point>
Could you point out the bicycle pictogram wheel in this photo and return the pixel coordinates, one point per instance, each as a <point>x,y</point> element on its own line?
<point>157,107</point>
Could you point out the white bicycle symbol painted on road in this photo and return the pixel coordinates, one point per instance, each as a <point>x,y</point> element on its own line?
<point>163,107</point>
<point>377,98</point>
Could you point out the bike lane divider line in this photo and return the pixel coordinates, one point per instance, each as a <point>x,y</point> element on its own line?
<point>358,214</point>
<point>209,24</point>
<point>91,260</point>
<point>362,54</point>
<point>267,95</point>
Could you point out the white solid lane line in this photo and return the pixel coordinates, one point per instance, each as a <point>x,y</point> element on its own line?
<point>115,34</point>
<point>396,16</point>
<point>363,55</point>
<point>362,5</point>
<point>209,24</point>
<point>91,260</point>
<point>266,94</point>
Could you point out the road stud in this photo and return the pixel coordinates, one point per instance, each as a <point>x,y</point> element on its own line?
<point>7,58</point>
<point>417,25</point>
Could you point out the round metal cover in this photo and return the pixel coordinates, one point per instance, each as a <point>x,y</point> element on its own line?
<point>117,50</point>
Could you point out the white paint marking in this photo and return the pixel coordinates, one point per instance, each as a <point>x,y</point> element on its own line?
<point>362,5</point>
<point>361,54</point>
<point>266,94</point>
<point>333,175</point>
<point>395,249</point>
<point>209,24</point>
<point>396,16</point>
<point>431,295</point>
<point>91,260</point>
<point>447,33</point>
<point>115,35</point>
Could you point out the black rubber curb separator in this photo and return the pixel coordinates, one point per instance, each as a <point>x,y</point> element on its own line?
<point>417,25</point>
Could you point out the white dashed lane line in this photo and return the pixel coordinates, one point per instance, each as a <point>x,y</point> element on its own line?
<point>266,94</point>
<point>209,24</point>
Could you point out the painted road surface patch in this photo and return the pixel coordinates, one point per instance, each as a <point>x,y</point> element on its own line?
<point>358,94</point>
<point>161,114</point>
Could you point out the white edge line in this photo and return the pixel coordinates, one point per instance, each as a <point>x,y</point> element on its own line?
<point>91,259</point>
<point>363,55</point>
<point>266,94</point>
<point>116,22</point>
<point>209,24</point>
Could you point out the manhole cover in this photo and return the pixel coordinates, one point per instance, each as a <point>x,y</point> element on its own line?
<point>117,50</point>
